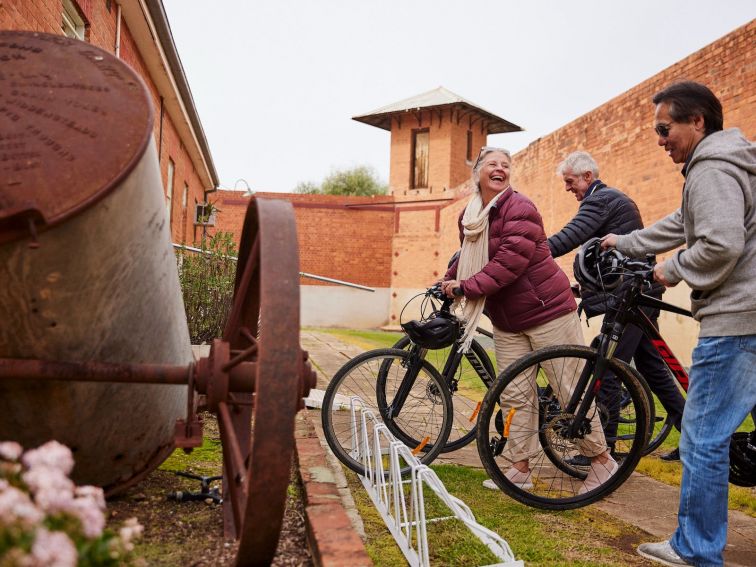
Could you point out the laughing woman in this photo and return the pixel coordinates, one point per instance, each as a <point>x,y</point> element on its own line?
<point>506,268</point>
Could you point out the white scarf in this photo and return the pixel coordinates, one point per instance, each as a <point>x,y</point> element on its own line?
<point>472,258</point>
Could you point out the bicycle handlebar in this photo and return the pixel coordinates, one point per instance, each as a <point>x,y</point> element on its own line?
<point>435,291</point>
<point>640,269</point>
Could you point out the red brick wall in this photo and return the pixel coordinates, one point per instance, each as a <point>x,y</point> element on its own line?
<point>620,137</point>
<point>45,16</point>
<point>345,238</point>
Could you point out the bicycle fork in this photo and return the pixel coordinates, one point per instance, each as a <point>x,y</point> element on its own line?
<point>415,362</point>
<point>590,380</point>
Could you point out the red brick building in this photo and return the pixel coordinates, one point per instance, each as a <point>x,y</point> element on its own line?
<point>139,34</point>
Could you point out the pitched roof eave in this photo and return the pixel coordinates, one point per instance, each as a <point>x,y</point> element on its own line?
<point>148,24</point>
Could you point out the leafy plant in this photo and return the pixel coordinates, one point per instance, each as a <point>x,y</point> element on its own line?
<point>208,210</point>
<point>207,285</point>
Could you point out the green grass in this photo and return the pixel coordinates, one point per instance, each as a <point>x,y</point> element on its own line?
<point>580,537</point>
<point>365,339</point>
<point>204,460</point>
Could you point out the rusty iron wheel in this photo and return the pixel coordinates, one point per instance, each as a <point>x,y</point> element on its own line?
<point>257,430</point>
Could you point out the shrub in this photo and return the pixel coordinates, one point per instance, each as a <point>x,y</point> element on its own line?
<point>207,285</point>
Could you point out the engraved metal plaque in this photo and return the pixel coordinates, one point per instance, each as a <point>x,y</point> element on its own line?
<point>74,121</point>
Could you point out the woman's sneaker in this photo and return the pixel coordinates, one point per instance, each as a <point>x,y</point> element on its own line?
<point>518,478</point>
<point>598,474</point>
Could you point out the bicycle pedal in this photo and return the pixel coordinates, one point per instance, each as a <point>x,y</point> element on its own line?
<point>497,445</point>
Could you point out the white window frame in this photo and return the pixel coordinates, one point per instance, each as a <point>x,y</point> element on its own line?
<point>169,191</point>
<point>72,23</point>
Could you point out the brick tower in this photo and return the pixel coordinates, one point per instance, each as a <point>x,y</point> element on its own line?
<point>435,136</point>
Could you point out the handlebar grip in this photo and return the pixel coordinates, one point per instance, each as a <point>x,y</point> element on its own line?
<point>458,291</point>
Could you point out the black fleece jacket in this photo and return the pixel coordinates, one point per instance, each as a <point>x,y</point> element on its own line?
<point>604,210</point>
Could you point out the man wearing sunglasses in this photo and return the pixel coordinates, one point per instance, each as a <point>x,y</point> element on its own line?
<point>716,223</point>
<point>605,210</point>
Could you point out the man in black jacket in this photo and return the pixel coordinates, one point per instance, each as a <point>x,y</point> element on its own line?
<point>605,210</point>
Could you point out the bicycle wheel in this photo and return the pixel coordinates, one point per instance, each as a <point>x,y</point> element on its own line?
<point>542,434</point>
<point>661,423</point>
<point>426,413</point>
<point>468,386</point>
<point>550,408</point>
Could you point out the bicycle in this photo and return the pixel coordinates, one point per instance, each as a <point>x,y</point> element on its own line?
<point>387,382</point>
<point>468,375</point>
<point>408,393</point>
<point>565,420</point>
<point>449,361</point>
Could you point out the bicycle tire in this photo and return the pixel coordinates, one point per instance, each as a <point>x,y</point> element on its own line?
<point>428,408</point>
<point>466,407</point>
<point>661,424</point>
<point>552,488</point>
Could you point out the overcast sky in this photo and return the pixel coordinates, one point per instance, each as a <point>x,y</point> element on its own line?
<point>276,83</point>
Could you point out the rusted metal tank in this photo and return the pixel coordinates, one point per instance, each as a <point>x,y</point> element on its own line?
<point>87,271</point>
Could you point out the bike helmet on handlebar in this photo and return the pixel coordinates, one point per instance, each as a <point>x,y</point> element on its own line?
<point>434,332</point>
<point>596,270</point>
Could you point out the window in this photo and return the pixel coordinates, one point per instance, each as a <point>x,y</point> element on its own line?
<point>420,158</point>
<point>469,145</point>
<point>169,189</point>
<point>185,196</point>
<point>72,24</point>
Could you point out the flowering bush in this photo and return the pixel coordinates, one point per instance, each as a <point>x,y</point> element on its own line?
<point>47,521</point>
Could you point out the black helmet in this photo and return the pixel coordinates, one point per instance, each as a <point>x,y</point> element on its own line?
<point>434,332</point>
<point>743,459</point>
<point>596,270</point>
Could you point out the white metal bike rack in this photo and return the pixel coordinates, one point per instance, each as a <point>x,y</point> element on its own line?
<point>407,522</point>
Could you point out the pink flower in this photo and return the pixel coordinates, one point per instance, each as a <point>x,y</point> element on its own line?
<point>10,450</point>
<point>130,530</point>
<point>53,549</point>
<point>17,507</point>
<point>89,514</point>
<point>52,489</point>
<point>51,455</point>
<point>94,493</point>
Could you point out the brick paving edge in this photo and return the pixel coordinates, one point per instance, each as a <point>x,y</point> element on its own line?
<point>334,541</point>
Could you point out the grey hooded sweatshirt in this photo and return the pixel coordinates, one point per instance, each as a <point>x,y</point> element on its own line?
<point>717,225</point>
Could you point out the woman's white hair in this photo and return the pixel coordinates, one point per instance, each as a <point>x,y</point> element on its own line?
<point>481,157</point>
<point>578,163</point>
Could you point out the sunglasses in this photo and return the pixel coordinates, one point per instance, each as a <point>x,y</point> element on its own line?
<point>663,129</point>
<point>487,149</point>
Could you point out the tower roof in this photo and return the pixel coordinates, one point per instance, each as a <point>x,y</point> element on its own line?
<point>435,99</point>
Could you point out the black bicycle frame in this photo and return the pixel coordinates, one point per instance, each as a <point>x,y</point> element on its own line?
<point>627,312</point>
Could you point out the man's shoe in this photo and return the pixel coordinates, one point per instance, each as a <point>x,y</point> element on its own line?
<point>673,455</point>
<point>598,474</point>
<point>578,461</point>
<point>661,552</point>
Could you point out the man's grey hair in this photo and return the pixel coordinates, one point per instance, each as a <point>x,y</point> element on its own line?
<point>578,163</point>
<point>481,158</point>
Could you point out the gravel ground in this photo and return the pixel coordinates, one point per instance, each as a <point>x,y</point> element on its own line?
<point>189,534</point>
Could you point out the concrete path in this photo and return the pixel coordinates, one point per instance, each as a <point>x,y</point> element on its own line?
<point>641,501</point>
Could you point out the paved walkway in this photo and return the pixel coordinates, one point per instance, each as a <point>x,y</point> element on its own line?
<point>641,501</point>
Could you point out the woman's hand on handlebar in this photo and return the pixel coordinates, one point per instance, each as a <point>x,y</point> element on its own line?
<point>449,287</point>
